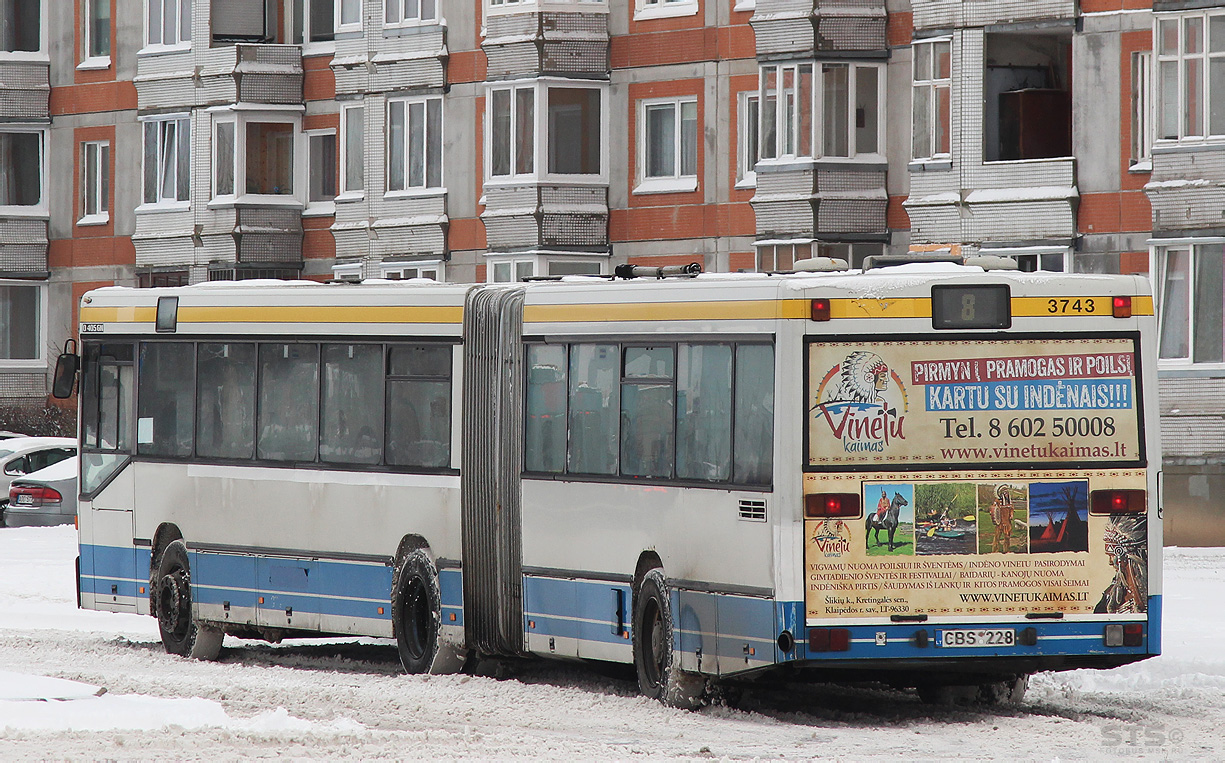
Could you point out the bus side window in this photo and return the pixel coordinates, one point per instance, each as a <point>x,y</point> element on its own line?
<point>225,400</point>
<point>647,412</point>
<point>352,413</point>
<point>288,402</point>
<point>704,412</point>
<point>419,406</point>
<point>754,435</point>
<point>106,412</point>
<point>594,408</point>
<point>545,435</point>
<point>166,393</point>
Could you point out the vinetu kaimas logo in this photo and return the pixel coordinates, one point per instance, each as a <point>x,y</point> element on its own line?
<point>864,403</point>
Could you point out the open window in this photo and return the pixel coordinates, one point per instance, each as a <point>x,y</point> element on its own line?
<point>1027,95</point>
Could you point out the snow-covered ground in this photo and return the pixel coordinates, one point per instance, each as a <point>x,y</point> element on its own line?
<point>76,684</point>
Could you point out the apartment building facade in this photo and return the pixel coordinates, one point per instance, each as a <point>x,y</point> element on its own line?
<point>161,142</point>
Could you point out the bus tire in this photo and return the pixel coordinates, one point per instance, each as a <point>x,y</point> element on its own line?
<point>181,633</point>
<point>416,611</point>
<point>1010,690</point>
<point>659,674</point>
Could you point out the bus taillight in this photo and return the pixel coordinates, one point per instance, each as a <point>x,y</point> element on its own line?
<point>820,310</point>
<point>829,640</point>
<point>1122,307</point>
<point>1118,502</point>
<point>819,505</point>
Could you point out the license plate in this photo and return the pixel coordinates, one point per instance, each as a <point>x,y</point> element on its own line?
<point>25,498</point>
<point>978,638</point>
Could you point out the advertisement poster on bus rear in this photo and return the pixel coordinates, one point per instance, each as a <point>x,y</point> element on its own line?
<point>991,402</point>
<point>1004,442</point>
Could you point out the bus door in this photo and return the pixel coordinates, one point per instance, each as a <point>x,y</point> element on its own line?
<point>107,490</point>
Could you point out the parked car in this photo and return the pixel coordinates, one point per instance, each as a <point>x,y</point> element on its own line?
<point>20,456</point>
<point>45,497</point>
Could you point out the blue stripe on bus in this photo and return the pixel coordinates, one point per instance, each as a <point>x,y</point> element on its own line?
<point>324,587</point>
<point>578,609</point>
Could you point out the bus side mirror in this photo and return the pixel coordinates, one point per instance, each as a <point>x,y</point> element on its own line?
<point>66,367</point>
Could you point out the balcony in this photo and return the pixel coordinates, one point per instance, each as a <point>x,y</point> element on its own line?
<point>798,28</point>
<point>23,248</point>
<point>243,72</point>
<point>546,216</point>
<point>530,42</point>
<point>25,91</point>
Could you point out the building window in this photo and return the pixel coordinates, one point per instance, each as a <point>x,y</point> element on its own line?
<point>167,23</point>
<point>403,271</point>
<point>406,12</point>
<point>167,160</point>
<point>155,279</point>
<point>269,153</point>
<point>314,21</point>
<point>748,122</point>
<point>821,110</point>
<point>21,26</point>
<point>1190,284</point>
<point>571,132</point>
<point>648,9</point>
<point>507,271</point>
<point>223,158</point>
<point>668,153</point>
<point>97,38</point>
<point>512,118</point>
<point>414,144</point>
<point>1141,113</point>
<point>95,183</point>
<point>352,158</point>
<point>510,269</point>
<point>21,322</point>
<point>1191,75</point>
<point>348,15</point>
<point>321,191</point>
<point>21,168</point>
<point>781,256</point>
<point>931,99</point>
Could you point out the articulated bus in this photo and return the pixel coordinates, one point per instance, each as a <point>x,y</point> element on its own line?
<point>936,475</point>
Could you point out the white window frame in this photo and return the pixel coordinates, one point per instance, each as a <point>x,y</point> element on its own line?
<point>401,12</point>
<point>425,188</point>
<point>677,182</point>
<point>746,154</point>
<point>540,138</point>
<point>1034,253</point>
<point>39,363</point>
<point>100,188</point>
<point>322,207</point>
<point>88,59</point>
<point>161,203</point>
<point>794,121</point>
<point>347,193</point>
<point>338,22</point>
<point>318,47</point>
<point>664,9</point>
<point>1142,111</point>
<point>181,43</point>
<point>537,263</point>
<point>348,271</point>
<point>420,267</point>
<point>1179,59</point>
<point>241,118</point>
<point>933,85</point>
<point>42,54</point>
<point>1157,249</point>
<point>41,209</point>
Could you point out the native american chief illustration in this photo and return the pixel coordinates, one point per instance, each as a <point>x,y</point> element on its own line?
<point>1126,539</point>
<point>864,376</point>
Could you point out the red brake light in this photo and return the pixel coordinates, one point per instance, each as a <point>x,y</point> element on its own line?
<point>1118,502</point>
<point>831,505</point>
<point>38,495</point>
<point>820,309</point>
<point>829,640</point>
<point>1122,307</point>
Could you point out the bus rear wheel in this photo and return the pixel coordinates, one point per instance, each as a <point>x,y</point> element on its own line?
<point>1008,690</point>
<point>181,633</point>
<point>417,611</point>
<point>659,675</point>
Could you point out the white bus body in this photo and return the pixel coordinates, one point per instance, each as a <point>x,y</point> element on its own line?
<point>701,440</point>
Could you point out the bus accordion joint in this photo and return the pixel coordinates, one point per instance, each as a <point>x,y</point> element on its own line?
<point>1118,502</point>
<point>833,505</point>
<point>820,309</point>
<point>1121,307</point>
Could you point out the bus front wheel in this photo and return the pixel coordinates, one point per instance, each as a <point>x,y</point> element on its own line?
<point>417,611</point>
<point>659,674</point>
<point>181,633</point>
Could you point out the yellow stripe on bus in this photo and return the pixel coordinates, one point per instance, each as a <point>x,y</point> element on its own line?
<point>283,314</point>
<point>758,309</point>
